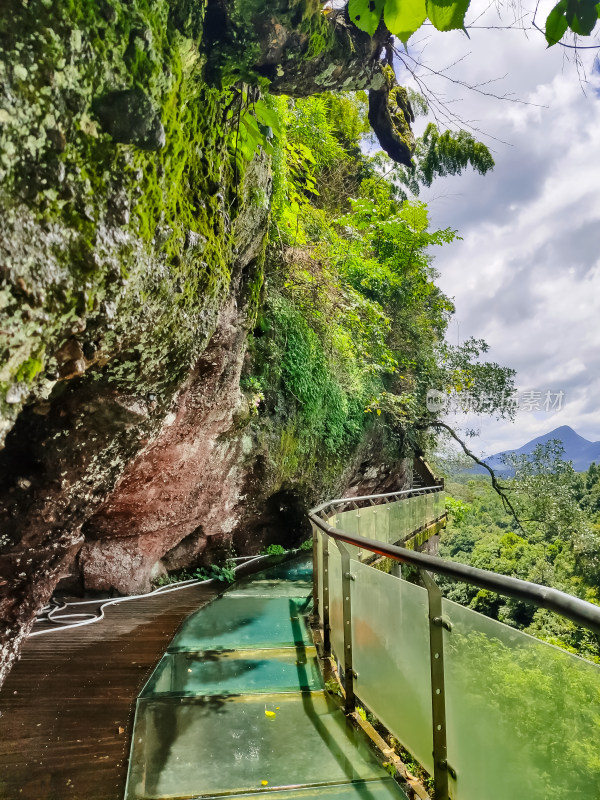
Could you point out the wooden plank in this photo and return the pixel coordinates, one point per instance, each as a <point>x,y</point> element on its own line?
<point>67,707</point>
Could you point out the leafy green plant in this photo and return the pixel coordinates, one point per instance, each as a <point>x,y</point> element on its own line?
<point>254,391</point>
<point>174,577</point>
<point>307,544</point>
<point>456,508</point>
<point>223,574</point>
<point>251,384</point>
<point>390,768</point>
<point>352,320</point>
<point>274,550</point>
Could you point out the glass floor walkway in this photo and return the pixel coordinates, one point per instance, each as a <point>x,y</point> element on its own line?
<point>237,706</point>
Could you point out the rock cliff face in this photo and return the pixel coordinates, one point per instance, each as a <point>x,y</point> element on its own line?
<point>131,261</point>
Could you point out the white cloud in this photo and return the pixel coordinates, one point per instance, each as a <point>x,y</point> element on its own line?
<point>526,276</point>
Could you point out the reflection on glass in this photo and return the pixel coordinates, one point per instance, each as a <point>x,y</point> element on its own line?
<point>523,717</point>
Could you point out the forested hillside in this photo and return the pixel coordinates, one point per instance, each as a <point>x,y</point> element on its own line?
<point>555,541</point>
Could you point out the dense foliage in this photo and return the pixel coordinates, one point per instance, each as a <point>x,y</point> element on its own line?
<point>557,543</point>
<point>352,324</point>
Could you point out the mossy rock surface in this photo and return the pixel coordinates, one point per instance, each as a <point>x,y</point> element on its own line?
<point>117,196</point>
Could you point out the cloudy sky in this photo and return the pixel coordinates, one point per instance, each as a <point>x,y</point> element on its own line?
<point>526,275</point>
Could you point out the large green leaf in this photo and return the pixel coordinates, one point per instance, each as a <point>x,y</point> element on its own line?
<point>404,17</point>
<point>556,24</point>
<point>582,16</point>
<point>267,116</point>
<point>365,14</point>
<point>447,15</point>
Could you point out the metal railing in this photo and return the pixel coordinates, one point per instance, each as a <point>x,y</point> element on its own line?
<point>381,629</point>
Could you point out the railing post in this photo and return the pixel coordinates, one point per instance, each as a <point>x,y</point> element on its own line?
<point>325,610</point>
<point>315,558</point>
<point>438,697</point>
<point>347,578</point>
<point>358,531</point>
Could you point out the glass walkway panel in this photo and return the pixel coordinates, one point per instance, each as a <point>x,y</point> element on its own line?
<point>237,706</point>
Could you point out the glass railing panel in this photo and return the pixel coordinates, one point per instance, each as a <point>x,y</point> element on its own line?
<point>429,504</point>
<point>398,520</point>
<point>382,524</point>
<point>336,619</point>
<point>439,504</point>
<point>425,509</point>
<point>414,512</point>
<point>372,522</point>
<point>390,630</point>
<point>523,717</point>
<point>348,521</point>
<point>367,522</point>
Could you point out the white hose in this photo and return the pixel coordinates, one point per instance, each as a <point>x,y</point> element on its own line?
<point>51,609</point>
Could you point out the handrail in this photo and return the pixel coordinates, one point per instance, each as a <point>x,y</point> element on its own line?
<point>335,596</point>
<point>340,500</point>
<point>573,608</point>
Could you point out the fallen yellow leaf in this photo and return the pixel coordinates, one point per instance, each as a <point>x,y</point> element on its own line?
<point>270,714</point>
<point>264,783</point>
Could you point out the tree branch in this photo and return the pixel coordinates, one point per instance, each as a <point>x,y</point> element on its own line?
<point>495,485</point>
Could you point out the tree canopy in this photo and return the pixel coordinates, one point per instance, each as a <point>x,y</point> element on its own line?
<point>557,544</point>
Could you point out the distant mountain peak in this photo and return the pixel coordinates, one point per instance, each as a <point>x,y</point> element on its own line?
<point>580,451</point>
<point>563,432</point>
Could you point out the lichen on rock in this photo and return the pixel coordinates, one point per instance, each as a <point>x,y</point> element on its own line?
<point>390,116</point>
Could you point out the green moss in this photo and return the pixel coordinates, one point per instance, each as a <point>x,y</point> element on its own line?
<point>317,44</point>
<point>28,370</point>
<point>288,457</point>
<point>255,286</point>
<point>398,106</point>
<point>134,247</point>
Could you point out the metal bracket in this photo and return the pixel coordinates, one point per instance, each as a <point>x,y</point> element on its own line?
<point>437,624</point>
<point>349,674</point>
<point>315,557</point>
<point>325,609</point>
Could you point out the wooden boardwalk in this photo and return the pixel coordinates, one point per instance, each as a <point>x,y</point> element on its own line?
<point>67,707</point>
